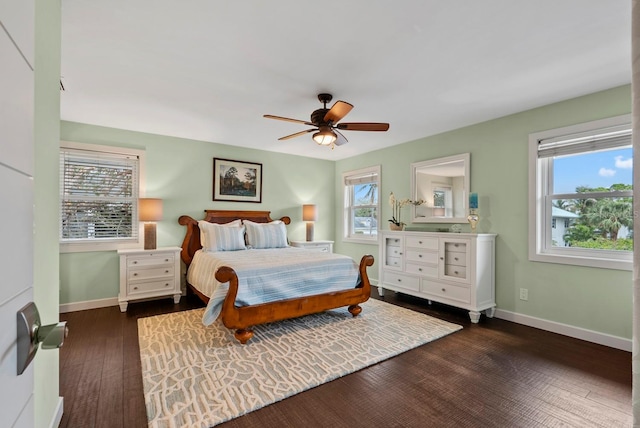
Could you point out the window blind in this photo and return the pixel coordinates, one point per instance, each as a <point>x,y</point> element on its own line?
<point>98,196</point>
<point>352,180</point>
<point>605,139</point>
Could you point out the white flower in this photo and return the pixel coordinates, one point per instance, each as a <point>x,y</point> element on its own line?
<point>392,200</point>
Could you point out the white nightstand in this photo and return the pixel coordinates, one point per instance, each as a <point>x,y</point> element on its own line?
<point>149,273</point>
<point>324,246</point>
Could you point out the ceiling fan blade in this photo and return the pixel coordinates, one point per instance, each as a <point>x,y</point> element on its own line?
<point>339,110</point>
<point>341,138</point>
<point>363,126</point>
<point>270,116</point>
<point>297,134</point>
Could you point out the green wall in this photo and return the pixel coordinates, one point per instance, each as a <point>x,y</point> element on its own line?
<point>593,299</point>
<point>46,190</point>
<point>180,172</point>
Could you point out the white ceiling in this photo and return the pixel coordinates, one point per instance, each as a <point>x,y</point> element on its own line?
<point>209,69</point>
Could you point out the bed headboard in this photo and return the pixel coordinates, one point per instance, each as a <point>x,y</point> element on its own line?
<point>191,242</point>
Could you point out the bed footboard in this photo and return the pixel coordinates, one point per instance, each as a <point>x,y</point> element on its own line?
<point>243,318</point>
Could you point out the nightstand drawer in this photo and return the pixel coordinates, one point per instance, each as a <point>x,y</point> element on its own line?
<point>150,273</point>
<point>150,260</point>
<point>151,286</point>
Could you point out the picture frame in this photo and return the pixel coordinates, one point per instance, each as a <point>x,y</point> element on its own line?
<point>237,181</point>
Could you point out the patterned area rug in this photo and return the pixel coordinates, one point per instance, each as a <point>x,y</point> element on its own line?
<point>197,376</point>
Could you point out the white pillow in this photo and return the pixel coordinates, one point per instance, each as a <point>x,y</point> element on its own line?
<point>222,237</point>
<point>266,235</point>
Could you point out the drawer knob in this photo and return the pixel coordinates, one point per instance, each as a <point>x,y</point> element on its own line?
<point>135,288</point>
<point>135,274</point>
<point>441,258</point>
<point>135,262</point>
<point>420,255</point>
<point>419,242</point>
<point>456,272</point>
<point>444,290</point>
<point>166,271</point>
<point>167,284</point>
<point>455,258</point>
<point>400,253</point>
<point>455,245</point>
<point>419,269</point>
<point>399,280</point>
<point>166,260</point>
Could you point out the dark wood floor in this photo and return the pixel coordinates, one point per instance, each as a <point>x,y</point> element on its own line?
<point>493,374</point>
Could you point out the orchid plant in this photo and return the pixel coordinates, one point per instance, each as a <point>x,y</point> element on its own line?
<point>397,204</point>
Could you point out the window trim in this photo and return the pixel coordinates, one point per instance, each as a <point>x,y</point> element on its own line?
<point>539,247</point>
<point>346,214</point>
<point>108,245</point>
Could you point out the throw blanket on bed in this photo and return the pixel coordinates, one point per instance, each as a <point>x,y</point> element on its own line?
<point>268,275</point>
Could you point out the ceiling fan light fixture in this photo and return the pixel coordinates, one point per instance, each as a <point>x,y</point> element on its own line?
<point>325,137</point>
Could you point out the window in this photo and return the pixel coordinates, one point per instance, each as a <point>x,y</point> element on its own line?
<point>361,204</point>
<point>582,175</point>
<point>99,189</point>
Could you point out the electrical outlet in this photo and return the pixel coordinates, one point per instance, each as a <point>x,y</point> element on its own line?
<point>524,294</point>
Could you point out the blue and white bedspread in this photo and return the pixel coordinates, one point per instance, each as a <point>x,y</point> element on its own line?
<point>270,274</point>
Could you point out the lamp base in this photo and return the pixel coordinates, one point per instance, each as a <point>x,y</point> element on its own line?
<point>309,231</point>
<point>473,219</point>
<point>149,236</point>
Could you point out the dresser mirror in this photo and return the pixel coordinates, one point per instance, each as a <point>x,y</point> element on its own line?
<point>444,184</point>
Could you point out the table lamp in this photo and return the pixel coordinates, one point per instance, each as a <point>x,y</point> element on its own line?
<point>309,214</point>
<point>149,212</point>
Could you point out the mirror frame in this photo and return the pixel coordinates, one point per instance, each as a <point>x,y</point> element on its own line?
<point>417,166</point>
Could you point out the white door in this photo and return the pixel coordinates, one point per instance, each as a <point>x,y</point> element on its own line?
<point>16,202</point>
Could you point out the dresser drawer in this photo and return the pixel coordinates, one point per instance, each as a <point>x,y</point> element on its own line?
<point>457,247</point>
<point>422,242</point>
<point>394,261</point>
<point>150,260</point>
<point>403,281</point>
<point>455,271</point>
<point>393,242</point>
<point>422,270</point>
<point>422,256</point>
<point>394,251</point>
<point>150,273</point>
<point>452,292</point>
<point>455,258</point>
<point>151,286</point>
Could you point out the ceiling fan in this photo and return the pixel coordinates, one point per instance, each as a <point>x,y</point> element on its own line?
<point>326,123</point>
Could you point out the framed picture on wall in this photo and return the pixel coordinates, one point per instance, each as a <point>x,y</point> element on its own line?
<point>237,181</point>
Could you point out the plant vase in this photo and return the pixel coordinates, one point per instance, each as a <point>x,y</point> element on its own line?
<point>393,226</point>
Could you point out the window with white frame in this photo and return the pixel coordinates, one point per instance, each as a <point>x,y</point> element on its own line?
<point>361,204</point>
<point>99,190</point>
<point>582,175</point>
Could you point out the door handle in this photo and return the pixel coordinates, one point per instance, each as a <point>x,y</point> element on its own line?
<point>31,333</point>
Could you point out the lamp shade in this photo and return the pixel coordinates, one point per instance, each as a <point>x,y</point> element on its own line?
<point>309,213</point>
<point>150,209</point>
<point>325,137</point>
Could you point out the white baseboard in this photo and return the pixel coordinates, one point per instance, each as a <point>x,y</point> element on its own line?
<point>88,304</point>
<point>566,330</point>
<point>57,417</point>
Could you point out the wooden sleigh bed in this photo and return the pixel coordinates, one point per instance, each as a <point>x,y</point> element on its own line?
<point>243,318</point>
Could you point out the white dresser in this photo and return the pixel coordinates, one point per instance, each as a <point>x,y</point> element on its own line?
<point>149,273</point>
<point>457,269</point>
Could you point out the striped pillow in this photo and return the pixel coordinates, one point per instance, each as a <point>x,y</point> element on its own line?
<point>266,235</point>
<point>221,237</point>
<point>203,228</point>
